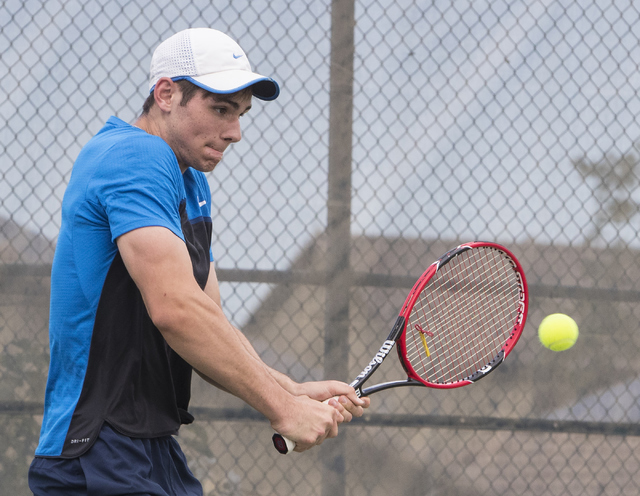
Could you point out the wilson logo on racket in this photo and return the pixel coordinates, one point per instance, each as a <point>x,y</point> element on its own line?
<point>522,301</point>
<point>485,369</point>
<point>386,347</point>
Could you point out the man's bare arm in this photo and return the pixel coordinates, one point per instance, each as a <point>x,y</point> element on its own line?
<point>195,327</point>
<point>349,404</point>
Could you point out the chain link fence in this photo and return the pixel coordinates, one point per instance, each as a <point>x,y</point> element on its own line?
<point>410,126</point>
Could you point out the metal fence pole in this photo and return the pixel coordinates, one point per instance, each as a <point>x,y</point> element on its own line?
<point>336,359</point>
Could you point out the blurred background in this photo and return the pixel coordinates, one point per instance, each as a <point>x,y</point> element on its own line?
<point>403,128</point>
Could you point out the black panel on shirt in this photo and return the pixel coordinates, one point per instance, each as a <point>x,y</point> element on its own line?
<point>134,380</point>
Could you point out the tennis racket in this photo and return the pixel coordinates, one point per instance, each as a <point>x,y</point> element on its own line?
<point>460,321</point>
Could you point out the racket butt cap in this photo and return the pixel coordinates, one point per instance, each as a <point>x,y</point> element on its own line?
<point>282,444</point>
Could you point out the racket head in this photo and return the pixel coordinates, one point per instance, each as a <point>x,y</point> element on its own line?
<point>463,316</point>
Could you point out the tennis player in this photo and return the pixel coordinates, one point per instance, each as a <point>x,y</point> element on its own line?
<point>135,303</point>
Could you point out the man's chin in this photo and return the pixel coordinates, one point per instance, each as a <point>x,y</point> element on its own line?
<point>205,167</point>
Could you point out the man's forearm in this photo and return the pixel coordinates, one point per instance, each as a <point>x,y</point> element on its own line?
<point>212,290</point>
<point>205,339</point>
<point>284,380</point>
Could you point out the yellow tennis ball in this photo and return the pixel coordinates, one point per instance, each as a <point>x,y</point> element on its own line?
<point>558,332</point>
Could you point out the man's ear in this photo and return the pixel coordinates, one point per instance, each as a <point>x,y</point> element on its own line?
<point>164,92</point>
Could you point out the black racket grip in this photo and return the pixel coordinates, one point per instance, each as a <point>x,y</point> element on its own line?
<point>282,444</point>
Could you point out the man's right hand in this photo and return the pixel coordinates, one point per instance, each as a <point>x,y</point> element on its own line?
<point>309,422</point>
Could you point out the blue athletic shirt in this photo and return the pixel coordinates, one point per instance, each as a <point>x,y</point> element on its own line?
<point>109,363</point>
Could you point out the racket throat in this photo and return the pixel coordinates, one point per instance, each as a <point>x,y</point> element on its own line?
<point>375,362</point>
<point>379,357</point>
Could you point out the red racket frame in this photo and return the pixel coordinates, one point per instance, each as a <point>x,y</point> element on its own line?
<point>399,334</point>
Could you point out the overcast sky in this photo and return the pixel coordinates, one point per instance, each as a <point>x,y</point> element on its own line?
<point>467,115</point>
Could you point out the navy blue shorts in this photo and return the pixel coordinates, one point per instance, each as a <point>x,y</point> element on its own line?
<point>117,465</point>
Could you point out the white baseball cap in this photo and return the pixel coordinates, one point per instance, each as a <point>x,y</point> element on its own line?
<point>211,60</point>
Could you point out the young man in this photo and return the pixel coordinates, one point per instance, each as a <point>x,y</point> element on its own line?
<point>135,304</point>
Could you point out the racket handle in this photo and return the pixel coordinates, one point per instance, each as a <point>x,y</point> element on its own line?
<point>282,444</point>
<point>285,445</point>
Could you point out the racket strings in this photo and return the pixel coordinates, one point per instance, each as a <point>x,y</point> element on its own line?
<point>471,320</point>
<point>464,315</point>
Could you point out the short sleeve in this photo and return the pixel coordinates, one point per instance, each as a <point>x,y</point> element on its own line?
<point>141,186</point>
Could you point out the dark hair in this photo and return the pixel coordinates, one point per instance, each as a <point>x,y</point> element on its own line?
<point>188,89</point>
